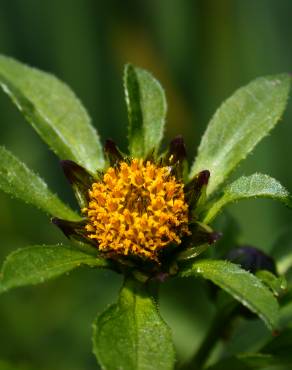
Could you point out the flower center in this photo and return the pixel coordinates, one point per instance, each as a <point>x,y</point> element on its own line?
<point>137,209</point>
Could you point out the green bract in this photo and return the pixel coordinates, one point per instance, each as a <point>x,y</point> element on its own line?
<point>131,334</point>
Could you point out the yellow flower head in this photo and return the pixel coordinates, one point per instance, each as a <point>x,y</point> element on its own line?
<point>138,208</point>
<point>138,212</point>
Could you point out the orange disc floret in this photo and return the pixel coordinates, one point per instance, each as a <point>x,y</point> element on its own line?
<point>138,208</point>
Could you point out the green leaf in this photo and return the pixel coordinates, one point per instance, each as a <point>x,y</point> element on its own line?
<point>131,335</point>
<point>37,264</point>
<point>280,345</point>
<point>19,181</point>
<point>242,285</point>
<point>255,361</point>
<point>239,124</point>
<point>246,187</point>
<point>282,251</point>
<point>285,317</point>
<point>54,112</point>
<point>147,108</point>
<point>277,284</point>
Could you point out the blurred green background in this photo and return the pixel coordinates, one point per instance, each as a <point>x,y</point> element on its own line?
<point>201,51</point>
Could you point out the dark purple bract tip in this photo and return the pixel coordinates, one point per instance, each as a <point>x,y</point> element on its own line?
<point>112,151</point>
<point>70,169</point>
<point>110,146</point>
<point>203,177</point>
<point>177,148</point>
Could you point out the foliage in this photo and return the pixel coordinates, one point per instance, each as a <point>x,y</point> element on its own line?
<point>141,341</point>
<point>131,334</point>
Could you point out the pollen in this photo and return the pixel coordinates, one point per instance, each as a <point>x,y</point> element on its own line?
<point>138,208</point>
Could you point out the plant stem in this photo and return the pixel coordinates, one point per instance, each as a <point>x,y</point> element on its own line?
<point>219,323</point>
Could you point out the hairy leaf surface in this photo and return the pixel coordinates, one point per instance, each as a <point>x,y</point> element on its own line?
<point>239,124</point>
<point>247,187</point>
<point>147,107</point>
<point>54,112</point>
<point>37,264</point>
<point>242,285</point>
<point>19,181</point>
<point>131,335</point>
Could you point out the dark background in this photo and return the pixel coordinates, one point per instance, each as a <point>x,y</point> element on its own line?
<point>201,51</point>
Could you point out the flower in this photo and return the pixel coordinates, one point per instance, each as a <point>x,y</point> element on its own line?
<point>139,210</point>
